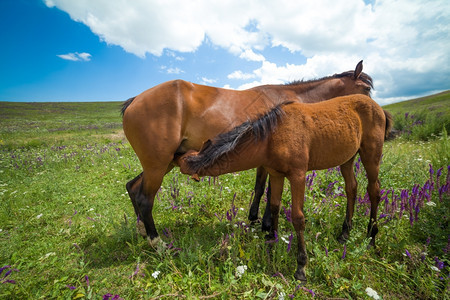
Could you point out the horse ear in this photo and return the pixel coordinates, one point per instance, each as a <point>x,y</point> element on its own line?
<point>358,70</point>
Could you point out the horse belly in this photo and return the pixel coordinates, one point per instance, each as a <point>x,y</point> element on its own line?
<point>334,149</point>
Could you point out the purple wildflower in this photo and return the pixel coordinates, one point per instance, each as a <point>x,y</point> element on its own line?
<point>407,253</point>
<point>219,218</point>
<point>438,176</point>
<point>345,252</point>
<point>309,291</point>
<point>87,279</point>
<point>447,248</point>
<point>71,287</point>
<point>231,213</point>
<point>422,256</point>
<point>290,242</point>
<point>326,251</point>
<point>109,296</point>
<point>279,274</point>
<point>287,213</point>
<point>439,264</point>
<point>135,272</point>
<point>274,240</point>
<point>166,231</point>
<point>4,280</point>
<point>4,268</point>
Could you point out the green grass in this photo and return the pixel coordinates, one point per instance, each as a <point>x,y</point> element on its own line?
<point>68,226</point>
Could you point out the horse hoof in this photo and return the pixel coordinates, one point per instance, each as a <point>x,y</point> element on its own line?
<point>300,275</point>
<point>254,222</point>
<point>265,227</point>
<point>156,243</point>
<point>342,239</point>
<point>253,218</point>
<point>140,227</point>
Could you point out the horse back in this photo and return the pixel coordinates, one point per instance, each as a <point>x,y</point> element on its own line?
<point>179,115</point>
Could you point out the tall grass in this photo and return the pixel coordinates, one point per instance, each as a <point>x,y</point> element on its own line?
<point>67,227</point>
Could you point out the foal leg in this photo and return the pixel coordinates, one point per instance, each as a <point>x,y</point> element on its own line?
<point>260,184</point>
<point>371,161</point>
<point>350,190</point>
<point>298,220</point>
<point>267,218</point>
<point>275,201</point>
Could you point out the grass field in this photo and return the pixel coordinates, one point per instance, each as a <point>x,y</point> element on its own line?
<point>67,226</point>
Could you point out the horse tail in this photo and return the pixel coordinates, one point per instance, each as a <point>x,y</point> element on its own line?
<point>251,131</point>
<point>126,104</point>
<point>389,123</point>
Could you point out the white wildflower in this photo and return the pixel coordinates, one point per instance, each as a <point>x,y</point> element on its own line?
<point>91,209</point>
<point>39,216</point>
<point>240,270</point>
<point>431,203</point>
<point>47,255</point>
<point>372,293</point>
<point>281,296</point>
<point>285,239</point>
<point>434,268</point>
<point>155,274</point>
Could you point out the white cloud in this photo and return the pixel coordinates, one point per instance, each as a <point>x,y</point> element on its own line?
<point>167,70</point>
<point>83,56</point>
<point>240,75</point>
<point>248,54</point>
<point>404,43</point>
<point>208,80</point>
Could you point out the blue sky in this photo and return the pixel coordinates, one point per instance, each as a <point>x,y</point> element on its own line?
<point>98,50</point>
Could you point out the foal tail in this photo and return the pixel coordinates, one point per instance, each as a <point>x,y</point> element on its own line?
<point>389,123</point>
<point>251,131</point>
<point>126,104</point>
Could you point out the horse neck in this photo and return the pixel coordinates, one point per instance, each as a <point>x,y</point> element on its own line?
<point>315,91</point>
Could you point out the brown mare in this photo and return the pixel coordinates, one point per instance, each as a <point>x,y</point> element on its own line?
<point>294,138</point>
<point>177,116</point>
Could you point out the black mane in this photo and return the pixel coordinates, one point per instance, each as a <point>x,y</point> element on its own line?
<point>225,143</point>
<point>363,76</point>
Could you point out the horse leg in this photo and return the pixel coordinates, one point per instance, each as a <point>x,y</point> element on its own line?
<point>266,221</point>
<point>351,186</point>
<point>276,183</point>
<point>298,220</point>
<point>151,182</point>
<point>260,184</point>
<point>371,160</point>
<point>133,187</point>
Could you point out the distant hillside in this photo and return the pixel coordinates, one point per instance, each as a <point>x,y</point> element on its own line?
<point>421,118</point>
<point>437,103</point>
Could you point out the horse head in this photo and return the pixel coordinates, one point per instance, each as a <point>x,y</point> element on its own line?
<point>355,82</point>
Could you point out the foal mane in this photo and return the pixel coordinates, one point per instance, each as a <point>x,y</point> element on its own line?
<point>363,77</point>
<point>251,131</point>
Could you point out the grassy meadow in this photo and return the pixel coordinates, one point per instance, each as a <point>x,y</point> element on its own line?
<point>67,226</point>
